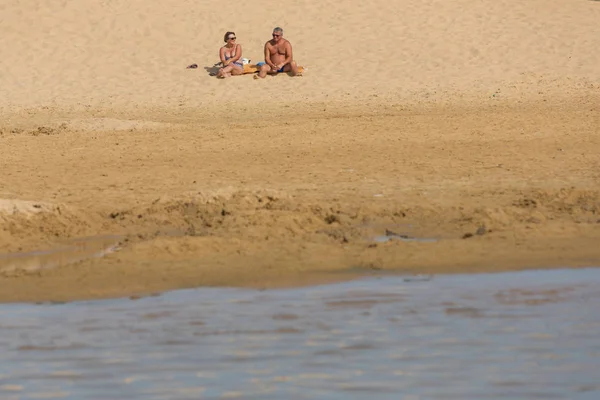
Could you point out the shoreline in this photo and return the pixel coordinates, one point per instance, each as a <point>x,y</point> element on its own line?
<point>40,287</point>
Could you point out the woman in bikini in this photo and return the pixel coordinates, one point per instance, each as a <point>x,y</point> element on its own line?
<point>230,56</point>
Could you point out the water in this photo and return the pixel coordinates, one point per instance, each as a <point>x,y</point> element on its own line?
<point>528,335</point>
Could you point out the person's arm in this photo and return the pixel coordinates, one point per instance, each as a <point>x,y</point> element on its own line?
<point>222,55</point>
<point>268,56</point>
<point>289,57</point>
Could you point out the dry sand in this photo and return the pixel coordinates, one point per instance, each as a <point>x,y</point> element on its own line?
<point>430,119</point>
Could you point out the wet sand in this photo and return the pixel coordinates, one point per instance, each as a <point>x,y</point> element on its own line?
<point>481,133</point>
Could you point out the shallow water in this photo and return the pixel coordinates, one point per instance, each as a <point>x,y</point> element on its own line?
<point>528,335</point>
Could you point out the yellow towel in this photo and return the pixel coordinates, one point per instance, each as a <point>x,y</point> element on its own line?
<point>252,68</point>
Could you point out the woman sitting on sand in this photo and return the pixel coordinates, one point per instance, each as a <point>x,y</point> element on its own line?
<point>230,54</point>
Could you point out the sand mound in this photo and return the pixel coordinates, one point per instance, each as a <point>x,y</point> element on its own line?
<point>30,225</point>
<point>49,125</point>
<point>114,124</point>
<point>15,207</point>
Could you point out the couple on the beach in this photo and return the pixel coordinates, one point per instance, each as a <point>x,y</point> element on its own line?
<point>278,57</point>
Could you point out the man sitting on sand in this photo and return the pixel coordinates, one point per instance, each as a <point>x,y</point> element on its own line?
<point>278,56</point>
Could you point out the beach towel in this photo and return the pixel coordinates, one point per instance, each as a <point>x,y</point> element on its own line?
<point>248,67</point>
<point>253,68</point>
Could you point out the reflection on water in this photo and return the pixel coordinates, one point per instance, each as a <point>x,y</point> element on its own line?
<point>529,335</point>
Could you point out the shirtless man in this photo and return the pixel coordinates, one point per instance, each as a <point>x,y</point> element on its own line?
<point>278,56</point>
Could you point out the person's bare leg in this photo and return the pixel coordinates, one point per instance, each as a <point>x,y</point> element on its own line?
<point>292,68</point>
<point>225,72</point>
<point>237,71</point>
<point>262,72</point>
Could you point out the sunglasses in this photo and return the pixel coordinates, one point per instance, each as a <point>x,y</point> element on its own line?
<point>275,35</point>
<point>231,38</point>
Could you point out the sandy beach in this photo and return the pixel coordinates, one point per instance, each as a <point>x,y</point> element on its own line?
<point>467,132</point>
